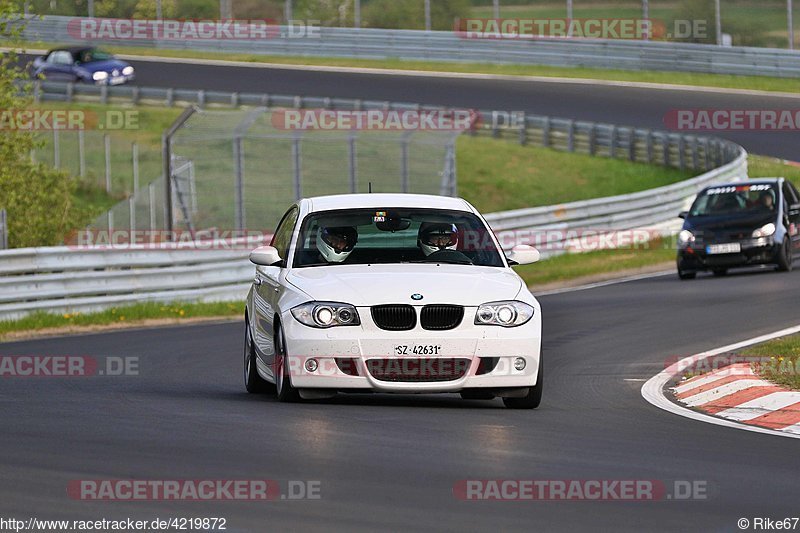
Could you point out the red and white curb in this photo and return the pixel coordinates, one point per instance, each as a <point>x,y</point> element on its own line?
<point>733,396</point>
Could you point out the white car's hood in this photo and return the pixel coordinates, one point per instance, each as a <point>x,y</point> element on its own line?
<point>365,285</point>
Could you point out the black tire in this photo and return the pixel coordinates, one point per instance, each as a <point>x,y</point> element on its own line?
<point>253,382</point>
<point>719,272</point>
<point>283,378</point>
<point>785,258</point>
<point>685,274</point>
<point>534,396</point>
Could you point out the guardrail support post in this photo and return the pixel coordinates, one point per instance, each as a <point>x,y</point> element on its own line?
<point>612,145</point>
<point>665,142</point>
<point>695,155</point>
<point>681,152</point>
<point>135,163</point>
<point>546,132</point>
<point>571,136</point>
<point>592,139</point>
<point>649,147</point>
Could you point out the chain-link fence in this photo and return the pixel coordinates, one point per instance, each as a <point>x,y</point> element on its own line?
<point>240,170</point>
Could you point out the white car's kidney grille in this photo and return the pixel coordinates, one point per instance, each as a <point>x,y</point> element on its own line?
<point>418,370</point>
<point>441,317</point>
<point>394,317</point>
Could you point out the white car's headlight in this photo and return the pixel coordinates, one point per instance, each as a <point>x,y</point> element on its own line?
<point>685,237</point>
<point>100,76</point>
<point>326,314</point>
<point>127,70</point>
<point>506,314</point>
<point>765,231</point>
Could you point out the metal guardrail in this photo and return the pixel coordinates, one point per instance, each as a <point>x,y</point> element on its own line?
<point>452,47</point>
<point>64,279</point>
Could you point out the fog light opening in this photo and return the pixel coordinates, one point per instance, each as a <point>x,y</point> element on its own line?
<point>312,365</point>
<point>519,364</point>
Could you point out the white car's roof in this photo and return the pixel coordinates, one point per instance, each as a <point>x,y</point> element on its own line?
<point>378,200</point>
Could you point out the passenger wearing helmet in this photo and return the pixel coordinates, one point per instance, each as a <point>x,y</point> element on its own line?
<point>434,237</point>
<point>336,243</point>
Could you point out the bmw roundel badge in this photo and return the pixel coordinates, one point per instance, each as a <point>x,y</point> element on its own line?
<point>416,296</point>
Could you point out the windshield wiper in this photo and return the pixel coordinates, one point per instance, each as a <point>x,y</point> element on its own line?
<point>445,261</point>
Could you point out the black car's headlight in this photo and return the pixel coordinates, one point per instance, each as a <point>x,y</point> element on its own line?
<point>507,314</point>
<point>326,314</point>
<point>766,230</point>
<point>686,237</point>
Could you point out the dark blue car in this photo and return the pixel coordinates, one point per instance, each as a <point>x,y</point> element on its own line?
<point>85,64</point>
<point>740,224</point>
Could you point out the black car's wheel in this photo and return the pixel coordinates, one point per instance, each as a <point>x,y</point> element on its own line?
<point>720,272</point>
<point>785,258</point>
<point>283,376</point>
<point>253,382</point>
<point>534,396</point>
<point>685,274</point>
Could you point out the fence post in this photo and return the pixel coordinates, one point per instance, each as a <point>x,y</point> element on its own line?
<point>298,185</point>
<point>56,150</point>
<point>665,149</point>
<point>353,168</point>
<point>238,169</point>
<point>632,145</point>
<point>649,146</point>
<point>135,162</point>
<point>612,145</point>
<point>592,139</point>
<point>404,162</point>
<point>132,210</point>
<point>81,154</point>
<point>107,144</point>
<point>3,230</point>
<point>151,193</point>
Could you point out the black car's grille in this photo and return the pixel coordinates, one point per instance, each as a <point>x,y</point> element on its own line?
<point>394,317</point>
<point>440,317</point>
<point>418,370</point>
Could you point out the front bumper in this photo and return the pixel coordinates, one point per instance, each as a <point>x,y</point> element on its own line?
<point>485,354</point>
<point>753,252</point>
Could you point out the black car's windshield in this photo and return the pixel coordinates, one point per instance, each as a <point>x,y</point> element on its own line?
<point>387,235</point>
<point>94,54</point>
<point>735,199</point>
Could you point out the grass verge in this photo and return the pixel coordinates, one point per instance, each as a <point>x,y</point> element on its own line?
<point>721,81</point>
<point>783,365</point>
<point>121,316</point>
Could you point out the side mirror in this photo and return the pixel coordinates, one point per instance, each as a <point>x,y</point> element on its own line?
<point>265,256</point>
<point>523,254</point>
<point>683,214</point>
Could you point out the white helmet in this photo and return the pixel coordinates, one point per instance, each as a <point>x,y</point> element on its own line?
<point>336,243</point>
<point>437,236</point>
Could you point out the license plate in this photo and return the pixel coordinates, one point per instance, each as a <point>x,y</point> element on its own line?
<point>729,248</point>
<point>418,349</point>
<point>118,80</point>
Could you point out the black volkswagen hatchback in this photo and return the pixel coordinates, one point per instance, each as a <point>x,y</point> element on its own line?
<point>740,224</point>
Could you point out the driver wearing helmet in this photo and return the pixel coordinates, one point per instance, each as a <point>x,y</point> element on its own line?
<point>434,237</point>
<point>336,243</point>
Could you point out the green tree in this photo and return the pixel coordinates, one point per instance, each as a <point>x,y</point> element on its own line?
<point>36,198</point>
<point>146,9</point>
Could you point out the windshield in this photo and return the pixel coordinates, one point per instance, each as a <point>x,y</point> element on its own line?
<point>387,235</point>
<point>734,199</point>
<point>94,54</point>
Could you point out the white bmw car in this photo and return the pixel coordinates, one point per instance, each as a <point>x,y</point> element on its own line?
<point>391,293</point>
